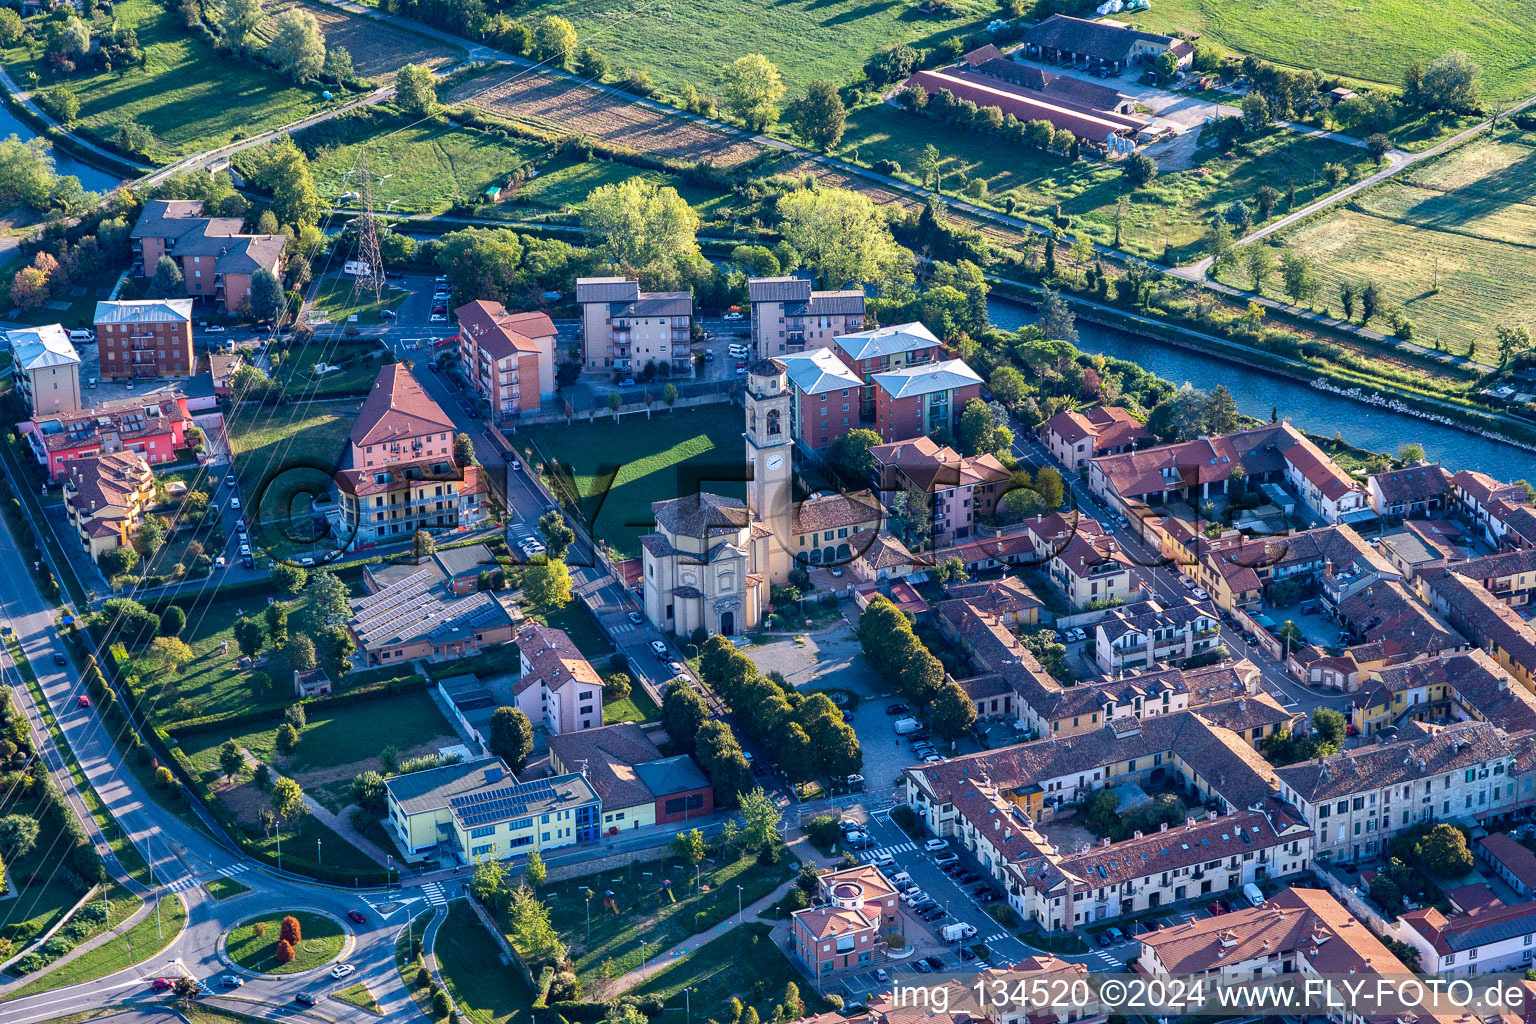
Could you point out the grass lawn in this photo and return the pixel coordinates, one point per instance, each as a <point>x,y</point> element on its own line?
<point>583,630</point>
<point>485,990</point>
<point>358,361</point>
<point>1172,210</point>
<point>406,965</point>
<point>715,974</point>
<point>139,943</point>
<point>225,888</point>
<point>1373,40</point>
<point>1472,212</point>
<point>648,911</point>
<point>691,41</point>
<point>211,682</point>
<point>432,165</point>
<point>688,450</point>
<point>307,442</point>
<point>341,297</point>
<point>637,707</point>
<point>188,96</point>
<point>252,943</point>
<point>121,905</point>
<point>359,996</point>
<point>42,897</point>
<point>81,311</point>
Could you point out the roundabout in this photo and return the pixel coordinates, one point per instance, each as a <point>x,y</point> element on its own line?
<point>267,943</point>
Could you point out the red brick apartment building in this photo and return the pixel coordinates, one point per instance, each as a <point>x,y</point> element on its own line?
<point>145,338</point>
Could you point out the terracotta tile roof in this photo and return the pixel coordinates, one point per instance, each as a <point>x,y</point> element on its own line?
<point>501,334</point>
<point>930,467</point>
<point>1413,483</point>
<point>1393,625</point>
<point>1025,104</point>
<point>397,409</point>
<point>608,756</point>
<point>1009,595</point>
<point>701,515</point>
<point>1514,855</point>
<point>113,424</point>
<point>1483,488</point>
<point>1367,768</point>
<point>110,480</point>
<point>838,511</point>
<point>881,550</point>
<point>1490,568</point>
<point>401,475</point>
<point>1471,930</point>
<point>828,922</point>
<point>1319,470</point>
<point>1204,460</point>
<point>869,877</point>
<point>550,657</point>
<point>1481,616</point>
<point>1239,833</point>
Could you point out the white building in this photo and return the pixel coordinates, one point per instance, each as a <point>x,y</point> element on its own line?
<point>46,368</point>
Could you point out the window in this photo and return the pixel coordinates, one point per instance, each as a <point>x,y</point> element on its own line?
<point>482,832</point>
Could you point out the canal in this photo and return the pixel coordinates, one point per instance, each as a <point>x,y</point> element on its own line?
<point>1317,412</point>
<point>94,179</point>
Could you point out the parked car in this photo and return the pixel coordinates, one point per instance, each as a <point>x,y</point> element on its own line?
<point>731,316</point>
<point>897,709</point>
<point>934,962</point>
<point>947,857</point>
<point>922,967</point>
<point>59,659</point>
<point>936,914</point>
<point>1215,908</point>
<point>215,329</point>
<point>881,975</point>
<point>1115,934</point>
<point>884,861</point>
<point>967,877</point>
<point>234,503</point>
<point>660,650</point>
<point>935,844</point>
<point>1200,594</point>
<point>966,954</point>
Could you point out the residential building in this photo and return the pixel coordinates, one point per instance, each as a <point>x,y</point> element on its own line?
<point>1510,859</point>
<point>145,338</point>
<point>1009,95</point>
<point>825,403</point>
<point>1296,931</point>
<point>1411,492</point>
<point>1052,971</point>
<point>914,401</point>
<point>639,787</point>
<point>398,423</point>
<point>1384,625</point>
<point>623,329</point>
<point>1483,619</point>
<point>509,358</point>
<point>1076,438</point>
<point>217,260</point>
<point>880,556</point>
<point>825,526</point>
<point>556,687</point>
<point>1008,598</point>
<point>963,491</point>
<point>788,315</point>
<point>1097,44</point>
<point>46,369</point>
<point>1083,560</point>
<point>1319,481</point>
<point>1147,635</point>
<point>1360,798</point>
<point>105,497</point>
<point>156,429</point>
<point>420,618</point>
<point>221,369</point>
<point>1475,493</point>
<point>847,931</point>
<point>475,810</point>
<point>1424,542</point>
<point>1495,937</point>
<point>882,349</point>
<point>1469,686</point>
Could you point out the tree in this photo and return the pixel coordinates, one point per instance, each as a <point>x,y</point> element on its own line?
<point>753,89</point>
<point>643,227</point>
<point>231,760</point>
<point>238,21</point>
<point>267,299</point>
<point>1139,169</point>
<point>287,799</point>
<point>172,621</point>
<point>850,452</point>
<point>534,872</point>
<point>891,64</point>
<point>1299,276</point>
<point>1370,302</point>
<point>842,236</point>
<point>546,583</point>
<point>297,46</point>
<point>330,602</point>
<point>338,64</point>
<point>1266,199</point>
<point>953,712</point>
<point>1379,145</point>
<point>669,395</point>
<point>481,262</point>
<point>168,282</point>
<point>334,648</point>
<point>558,537</point>
<point>11,28</point>
<point>760,818</point>
<point>1387,894</point>
<point>1512,341</point>
<point>928,165</point>
<point>911,517</point>
<point>285,952</point>
<point>1445,852</point>
<point>289,930</point>
<point>1260,264</point>
<point>299,652</point>
<point>249,635</point>
<point>289,579</point>
<point>287,740</point>
<point>1450,83</point>
<point>463,450</point>
<point>113,562</point>
<point>489,882</point>
<point>683,711</point>
<point>18,835</point>
<point>689,847</point>
<point>368,792</point>
<point>276,617</point>
<point>29,288</point>
<point>1411,452</point>
<point>819,117</point>
<point>59,101</point>
<point>511,737</point>
<point>530,931</point>
<point>1331,727</point>
<point>554,41</point>
<point>1347,299</point>
<point>415,91</point>
<point>422,544</point>
<point>1256,112</point>
<point>1057,321</point>
<point>1008,386</point>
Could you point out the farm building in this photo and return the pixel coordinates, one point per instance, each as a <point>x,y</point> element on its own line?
<point>1096,44</point>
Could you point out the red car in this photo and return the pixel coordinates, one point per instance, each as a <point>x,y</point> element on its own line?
<point>1216,908</point>
<point>162,984</point>
<point>84,701</point>
<point>356,916</point>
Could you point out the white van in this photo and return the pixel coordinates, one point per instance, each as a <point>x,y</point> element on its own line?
<point>357,268</point>
<point>81,334</point>
<point>1254,895</point>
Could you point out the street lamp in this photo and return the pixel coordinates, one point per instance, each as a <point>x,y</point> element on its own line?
<point>738,904</point>
<point>642,958</point>
<point>589,919</point>
<point>319,860</point>
<point>688,1003</point>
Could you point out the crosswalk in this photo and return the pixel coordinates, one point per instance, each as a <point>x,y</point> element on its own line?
<point>234,869</point>
<point>628,627</point>
<point>180,884</point>
<point>870,856</point>
<point>1106,959</point>
<point>1000,936</point>
<point>433,891</point>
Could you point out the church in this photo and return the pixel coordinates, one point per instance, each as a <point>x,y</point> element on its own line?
<point>712,559</point>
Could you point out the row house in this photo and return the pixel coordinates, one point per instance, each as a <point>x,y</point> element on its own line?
<point>1510,859</point>
<point>623,329</point>
<point>1483,619</point>
<point>824,398</point>
<point>1146,635</point>
<point>1495,938</point>
<point>1475,493</point>
<point>1412,492</point>
<point>154,429</point>
<point>145,338</point>
<point>1469,686</point>
<point>963,491</point>
<point>509,358</point>
<point>788,315</point>
<point>1329,492</point>
<point>1360,798</point>
<point>45,369</point>
<point>915,401</point>
<point>1076,438</point>
<point>217,259</point>
<point>1509,576</point>
<point>105,497</point>
<point>881,350</point>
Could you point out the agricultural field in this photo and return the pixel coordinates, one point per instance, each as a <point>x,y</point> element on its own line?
<point>189,97</point>
<point>560,106</point>
<point>685,451</point>
<point>1370,40</point>
<point>378,48</point>
<point>1172,211</point>
<point>1469,215</point>
<point>432,165</point>
<point>683,42</point>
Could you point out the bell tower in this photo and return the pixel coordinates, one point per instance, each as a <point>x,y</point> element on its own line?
<point>770,462</point>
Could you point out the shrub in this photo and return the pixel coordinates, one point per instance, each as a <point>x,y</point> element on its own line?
<point>290,929</point>
<point>284,951</point>
<point>440,1004</point>
<point>423,977</point>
